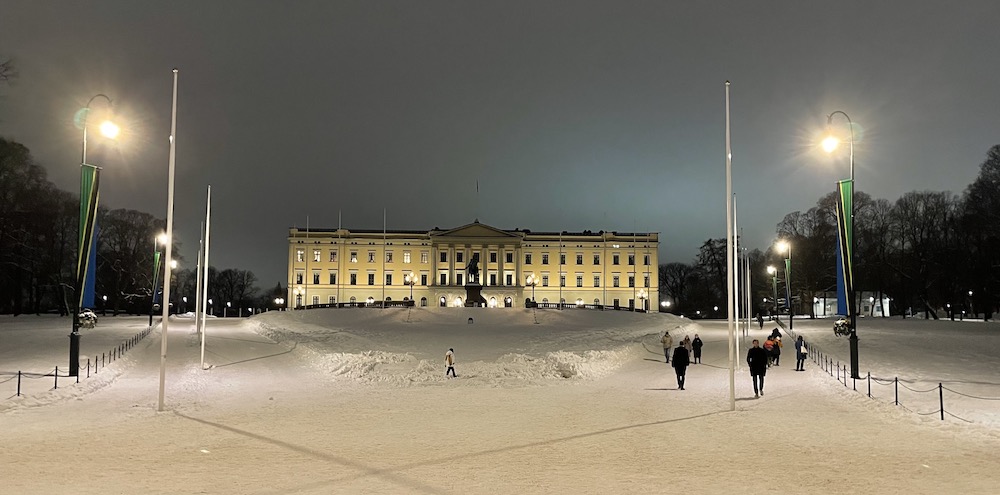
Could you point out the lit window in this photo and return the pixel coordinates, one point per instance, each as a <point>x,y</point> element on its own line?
<point>423,257</point>
<point>298,278</point>
<point>316,255</point>
<point>354,256</point>
<point>333,256</point>
<point>388,256</point>
<point>406,256</point>
<point>300,255</point>
<point>316,278</point>
<point>371,256</point>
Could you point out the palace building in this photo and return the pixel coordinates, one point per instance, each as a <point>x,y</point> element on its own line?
<point>512,268</point>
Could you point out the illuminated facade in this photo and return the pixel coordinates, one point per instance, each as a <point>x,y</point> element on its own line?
<point>342,266</point>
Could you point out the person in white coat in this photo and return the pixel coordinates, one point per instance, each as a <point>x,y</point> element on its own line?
<point>668,343</point>
<point>449,361</point>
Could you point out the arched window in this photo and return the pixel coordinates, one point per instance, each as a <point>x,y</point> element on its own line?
<point>508,302</point>
<point>579,303</point>
<point>597,302</point>
<point>493,302</point>
<point>444,302</point>
<point>354,300</point>
<point>423,301</point>
<point>458,302</point>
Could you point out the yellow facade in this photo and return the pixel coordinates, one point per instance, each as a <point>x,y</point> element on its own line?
<point>338,266</point>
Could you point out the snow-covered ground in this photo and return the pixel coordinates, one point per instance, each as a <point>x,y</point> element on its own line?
<point>355,401</point>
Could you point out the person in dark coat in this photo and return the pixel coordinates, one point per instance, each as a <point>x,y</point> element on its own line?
<point>681,361</point>
<point>696,345</point>
<point>800,354</point>
<point>760,320</point>
<point>757,362</point>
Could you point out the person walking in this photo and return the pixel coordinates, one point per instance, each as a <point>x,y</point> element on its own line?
<point>760,320</point>
<point>668,343</point>
<point>800,354</point>
<point>776,351</point>
<point>681,361</point>
<point>696,344</point>
<point>757,362</point>
<point>687,345</point>
<point>769,350</point>
<point>449,360</point>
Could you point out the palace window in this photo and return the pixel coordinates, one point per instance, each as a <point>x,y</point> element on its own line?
<point>614,259</point>
<point>562,280</point>
<point>333,256</point>
<point>316,278</point>
<point>562,258</point>
<point>406,256</point>
<point>444,257</point>
<point>545,280</point>
<point>510,257</point>
<point>597,259</point>
<point>527,259</point>
<point>493,256</point>
<point>333,278</point>
<point>597,280</point>
<point>579,259</point>
<point>423,279</point>
<point>631,259</point>
<point>371,256</point>
<point>354,256</point>
<point>645,259</point>
<point>316,255</point>
<point>545,258</point>
<point>579,280</point>
<point>300,255</point>
<point>298,278</point>
<point>631,280</point>
<point>459,257</point>
<point>354,279</point>
<point>388,256</point>
<point>388,279</point>
<point>615,281</point>
<point>371,279</point>
<point>423,257</point>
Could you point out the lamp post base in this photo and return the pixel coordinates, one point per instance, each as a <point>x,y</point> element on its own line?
<point>74,353</point>
<point>855,373</point>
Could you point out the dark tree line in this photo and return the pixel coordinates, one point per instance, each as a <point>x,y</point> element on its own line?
<point>926,252</point>
<point>39,226</point>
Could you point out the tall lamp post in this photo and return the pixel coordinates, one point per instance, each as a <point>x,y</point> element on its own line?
<point>786,247</point>
<point>410,279</point>
<point>830,143</point>
<point>532,281</point>
<point>642,299</point>
<point>774,285</point>
<point>89,195</point>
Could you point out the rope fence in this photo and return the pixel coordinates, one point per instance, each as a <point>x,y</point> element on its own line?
<point>106,358</point>
<point>835,368</point>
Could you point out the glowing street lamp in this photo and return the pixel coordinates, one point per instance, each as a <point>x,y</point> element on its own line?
<point>774,284</point>
<point>532,281</point>
<point>830,143</point>
<point>786,247</point>
<point>410,279</point>
<point>89,194</point>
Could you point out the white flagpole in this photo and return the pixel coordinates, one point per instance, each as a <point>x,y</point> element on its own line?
<point>197,278</point>
<point>735,267</point>
<point>729,258</point>
<point>170,242</point>
<point>204,292</point>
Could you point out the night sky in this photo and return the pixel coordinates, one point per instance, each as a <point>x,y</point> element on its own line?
<point>571,115</point>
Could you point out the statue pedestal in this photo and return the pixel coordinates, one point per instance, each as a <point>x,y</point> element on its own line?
<point>474,296</point>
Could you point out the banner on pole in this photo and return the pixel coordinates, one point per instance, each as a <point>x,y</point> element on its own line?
<point>845,270</point>
<point>89,190</point>
<point>788,283</point>
<point>90,287</point>
<point>156,277</point>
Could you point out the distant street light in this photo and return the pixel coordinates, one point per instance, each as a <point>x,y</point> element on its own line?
<point>410,279</point>
<point>774,285</point>
<point>532,281</point>
<point>785,246</point>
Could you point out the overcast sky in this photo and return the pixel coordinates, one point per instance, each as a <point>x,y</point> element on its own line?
<point>571,115</point>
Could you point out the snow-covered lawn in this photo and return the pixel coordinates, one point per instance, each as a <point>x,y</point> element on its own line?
<point>355,401</point>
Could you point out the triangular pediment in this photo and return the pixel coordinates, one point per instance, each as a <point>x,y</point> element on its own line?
<point>475,230</point>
